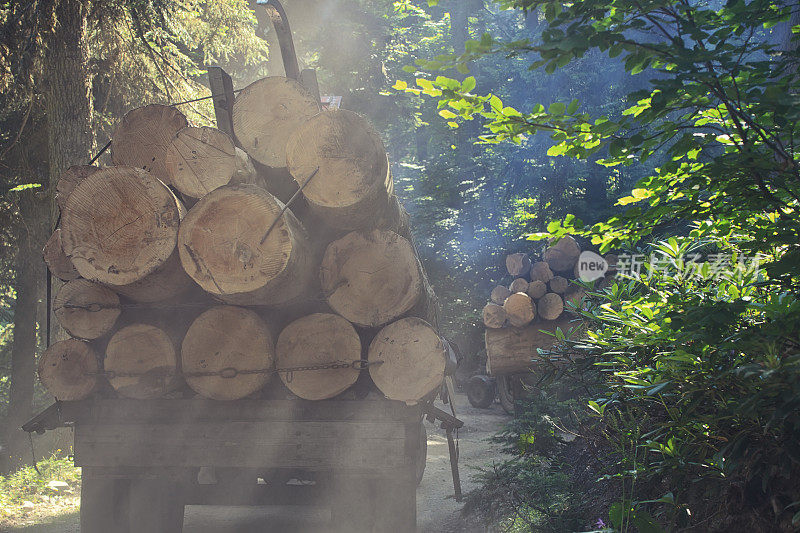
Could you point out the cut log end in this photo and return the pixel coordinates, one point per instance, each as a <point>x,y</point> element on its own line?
<point>119,225</point>
<point>86,310</point>
<point>518,264</point>
<point>69,179</point>
<point>520,309</point>
<point>494,316</point>
<point>550,306</point>
<point>540,271</point>
<point>143,137</point>
<point>499,294</point>
<point>412,360</point>
<point>68,369</point>
<point>518,285</point>
<point>147,351</point>
<point>265,114</point>
<point>199,160</point>
<point>318,339</point>
<point>227,337</point>
<point>563,255</point>
<point>371,278</point>
<point>537,289</point>
<point>559,284</point>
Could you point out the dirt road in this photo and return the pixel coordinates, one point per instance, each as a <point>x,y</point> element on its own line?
<point>437,510</point>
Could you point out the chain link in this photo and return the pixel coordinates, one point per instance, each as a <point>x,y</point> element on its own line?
<point>231,372</point>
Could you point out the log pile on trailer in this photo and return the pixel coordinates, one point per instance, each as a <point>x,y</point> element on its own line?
<point>232,266</point>
<point>520,317</point>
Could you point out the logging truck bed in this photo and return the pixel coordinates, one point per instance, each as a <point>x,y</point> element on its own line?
<point>141,459</point>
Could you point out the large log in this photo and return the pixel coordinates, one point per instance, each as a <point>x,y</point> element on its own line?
<point>563,254</point>
<point>227,337</point>
<point>266,113</point>
<point>68,369</point>
<point>518,285</point>
<point>520,309</point>
<point>57,261</point>
<point>412,360</point>
<point>372,278</point>
<point>85,309</point>
<point>143,137</point>
<point>540,271</point>
<point>510,350</point>
<point>69,179</point>
<point>318,339</point>
<point>499,294</point>
<point>199,160</point>
<point>141,362</point>
<point>351,188</point>
<point>550,306</point>
<point>221,248</point>
<point>119,225</point>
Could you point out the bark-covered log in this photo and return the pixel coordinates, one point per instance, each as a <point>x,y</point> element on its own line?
<point>143,137</point>
<point>227,337</point>
<point>148,351</point>
<point>559,284</point>
<point>318,339</point>
<point>351,188</point>
<point>221,248</point>
<point>372,278</point>
<point>550,306</point>
<point>520,309</point>
<point>85,309</point>
<point>510,350</point>
<point>494,316</point>
<point>57,261</point>
<point>412,358</point>
<point>69,179</point>
<point>518,285</point>
<point>266,113</point>
<point>68,369</point>
<point>518,264</point>
<point>563,254</point>
<point>200,160</point>
<point>540,271</point>
<point>119,225</point>
<point>537,289</point>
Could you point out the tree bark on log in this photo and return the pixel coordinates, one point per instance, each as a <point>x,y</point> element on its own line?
<point>221,248</point>
<point>520,309</point>
<point>199,160</point>
<point>68,369</point>
<point>85,309</point>
<point>146,350</point>
<point>353,184</point>
<point>412,358</point>
<point>57,261</point>
<point>371,278</point>
<point>143,137</point>
<point>119,225</point>
<point>318,339</point>
<point>227,337</point>
<point>494,316</point>
<point>266,113</point>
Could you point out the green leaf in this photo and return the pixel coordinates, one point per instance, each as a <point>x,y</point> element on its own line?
<point>400,85</point>
<point>468,84</point>
<point>557,108</point>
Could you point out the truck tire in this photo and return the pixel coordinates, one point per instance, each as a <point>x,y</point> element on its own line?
<point>480,391</point>
<point>422,458</point>
<point>506,393</point>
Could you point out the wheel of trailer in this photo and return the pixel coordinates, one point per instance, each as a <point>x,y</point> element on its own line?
<point>480,391</point>
<point>506,393</point>
<point>422,457</point>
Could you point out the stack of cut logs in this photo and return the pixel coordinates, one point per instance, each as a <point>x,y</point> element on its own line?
<point>293,262</point>
<point>519,315</point>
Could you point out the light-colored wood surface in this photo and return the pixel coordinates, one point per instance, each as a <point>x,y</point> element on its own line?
<point>85,309</point>
<point>142,349</point>
<point>69,179</point>
<point>200,160</point>
<point>520,309</point>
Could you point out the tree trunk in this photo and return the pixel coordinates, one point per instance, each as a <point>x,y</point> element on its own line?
<point>318,339</point>
<point>412,360</point>
<point>221,248</point>
<point>227,337</point>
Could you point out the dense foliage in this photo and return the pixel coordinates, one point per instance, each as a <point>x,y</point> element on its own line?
<point>699,361</point>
